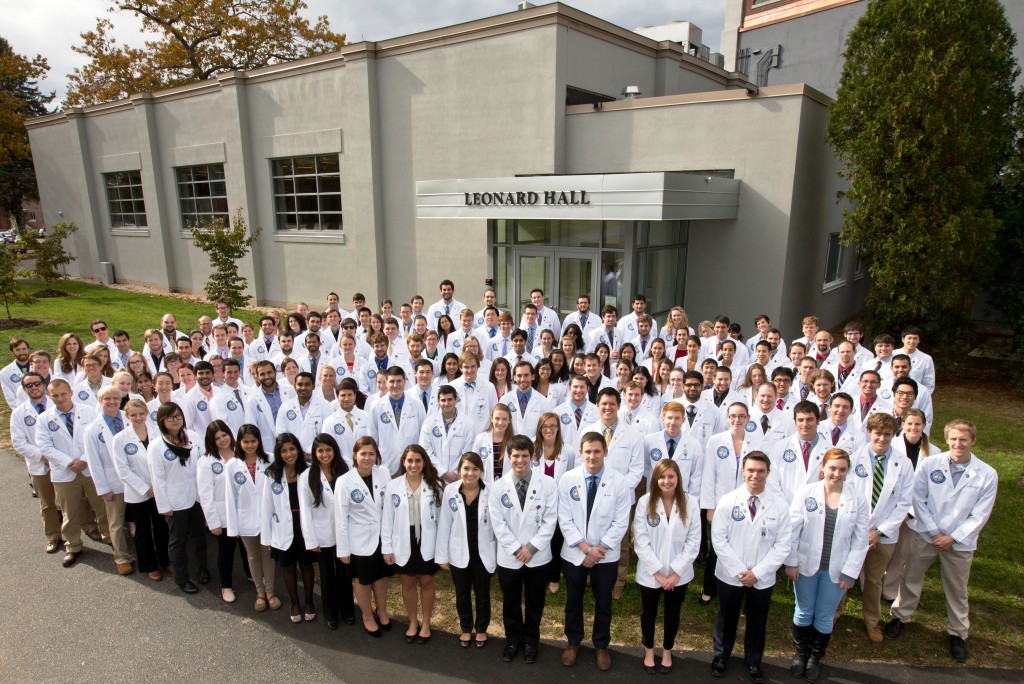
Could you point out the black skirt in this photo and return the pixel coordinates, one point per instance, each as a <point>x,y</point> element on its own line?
<point>416,565</point>
<point>368,569</point>
<point>296,553</point>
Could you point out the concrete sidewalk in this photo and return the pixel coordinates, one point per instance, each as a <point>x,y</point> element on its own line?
<point>88,624</point>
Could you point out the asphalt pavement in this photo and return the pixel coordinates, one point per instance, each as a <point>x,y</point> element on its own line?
<point>88,624</point>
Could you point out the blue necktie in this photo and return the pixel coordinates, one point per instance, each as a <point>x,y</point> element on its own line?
<point>591,494</point>
<point>69,422</point>
<point>492,332</point>
<point>118,425</point>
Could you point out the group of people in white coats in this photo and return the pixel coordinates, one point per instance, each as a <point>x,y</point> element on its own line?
<point>535,465</point>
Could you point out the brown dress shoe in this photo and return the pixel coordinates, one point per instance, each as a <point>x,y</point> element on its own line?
<point>124,569</point>
<point>53,546</point>
<point>94,535</point>
<point>155,575</point>
<point>604,659</point>
<point>569,654</point>
<point>71,558</point>
<point>617,593</point>
<point>874,633</point>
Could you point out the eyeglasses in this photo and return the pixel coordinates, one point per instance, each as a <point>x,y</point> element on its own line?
<point>100,329</point>
<point>906,393</point>
<point>30,385</point>
<point>175,417</point>
<point>693,384</point>
<point>549,427</point>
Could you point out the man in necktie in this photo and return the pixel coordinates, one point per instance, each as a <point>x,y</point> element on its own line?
<point>593,514</point>
<point>99,439</point>
<point>24,423</point>
<point>751,546</point>
<point>524,528</point>
<point>313,349</point>
<point>869,383</point>
<point>886,477</point>
<point>530,317</point>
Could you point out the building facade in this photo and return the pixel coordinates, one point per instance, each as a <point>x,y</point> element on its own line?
<point>389,166</point>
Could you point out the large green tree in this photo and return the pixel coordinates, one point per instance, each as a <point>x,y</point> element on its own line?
<point>193,40</point>
<point>922,123</point>
<point>20,98</point>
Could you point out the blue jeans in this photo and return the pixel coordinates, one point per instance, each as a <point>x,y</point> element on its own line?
<point>817,598</point>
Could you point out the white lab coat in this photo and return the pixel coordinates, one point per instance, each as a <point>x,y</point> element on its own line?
<point>922,368</point>
<point>24,421</point>
<point>56,444</point>
<point>516,525</point>
<point>82,392</point>
<point>760,545</point>
<point>260,413</point>
<point>689,456</point>
<point>849,540</point>
<point>961,511</point>
<point>391,436</point>
<point>452,542</point>
<point>850,440</point>
<point>10,380</point>
<point>707,422</point>
<point>317,522</point>
<point>366,376</point>
<point>483,445</point>
<point>242,497</point>
<point>478,407</point>
<point>394,529</point>
<point>98,442</point>
<point>131,461</point>
<point>609,517</point>
<point>276,530</point>
<point>788,471</point>
<point>625,453</point>
<point>290,419</point>
<point>780,427</point>
<point>593,321</point>
<point>446,448</point>
<point>227,408</point>
<point>210,481</point>
<point>196,408</point>
<point>358,512</point>
<point>567,420</point>
<point>897,491</point>
<point>722,470</point>
<point>174,484</point>
<point>564,462</point>
<point>664,543</point>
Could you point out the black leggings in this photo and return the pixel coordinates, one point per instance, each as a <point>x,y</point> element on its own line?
<point>335,584</point>
<point>226,558</point>
<point>150,535</point>
<point>649,599</point>
<point>473,578</point>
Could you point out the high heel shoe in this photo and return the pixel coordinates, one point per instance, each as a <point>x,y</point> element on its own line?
<point>386,626</point>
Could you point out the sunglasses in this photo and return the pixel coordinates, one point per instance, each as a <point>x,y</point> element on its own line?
<point>100,329</point>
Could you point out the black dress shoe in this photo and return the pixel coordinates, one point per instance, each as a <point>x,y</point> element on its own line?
<point>705,601</point>
<point>203,576</point>
<point>957,648</point>
<point>650,669</point>
<point>349,619</point>
<point>385,626</point>
<point>410,638</point>
<point>509,652</point>
<point>718,667</point>
<point>756,674</point>
<point>530,654</point>
<point>376,633</point>
<point>188,587</point>
<point>664,669</point>
<point>894,628</point>
<point>332,623</point>
<point>423,640</point>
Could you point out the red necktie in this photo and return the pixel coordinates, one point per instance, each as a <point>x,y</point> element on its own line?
<point>835,435</point>
<point>778,404</point>
<point>806,451</point>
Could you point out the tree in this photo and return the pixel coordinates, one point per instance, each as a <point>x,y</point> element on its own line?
<point>11,291</point>
<point>225,246</point>
<point>194,41</point>
<point>51,256</point>
<point>1006,285</point>
<point>19,98</point>
<point>922,123</point>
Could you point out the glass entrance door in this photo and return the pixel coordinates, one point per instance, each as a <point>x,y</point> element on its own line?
<point>563,275</point>
<point>576,276</point>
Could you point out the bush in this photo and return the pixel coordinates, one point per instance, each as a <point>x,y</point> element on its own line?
<point>225,246</point>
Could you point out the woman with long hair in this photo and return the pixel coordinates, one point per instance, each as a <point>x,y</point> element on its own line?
<point>68,358</point>
<point>560,370</point>
<point>542,382</point>
<point>752,379</point>
<point>316,488</point>
<point>666,537</point>
<point>358,512</point>
<point>603,352</point>
<point>173,459</point>
<point>449,370</point>
<point>675,321</point>
<point>409,535</point>
<point>553,458</point>
<point>501,376</point>
<point>243,487</point>
<point>280,526</point>
<point>491,443</point>
<point>445,328</point>
<point>219,449</point>
<point>129,452</point>
<point>466,546</point>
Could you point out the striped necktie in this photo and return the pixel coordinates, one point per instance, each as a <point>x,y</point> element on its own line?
<point>879,479</point>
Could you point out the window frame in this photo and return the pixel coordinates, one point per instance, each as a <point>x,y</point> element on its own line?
<point>839,275</point>
<point>279,182</point>
<point>186,216</point>
<point>134,182</point>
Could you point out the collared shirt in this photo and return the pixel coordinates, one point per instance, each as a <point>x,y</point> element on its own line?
<point>382,364</point>
<point>304,407</point>
<point>448,422</point>
<point>274,399</point>
<point>811,443</point>
<point>524,397</point>
<point>114,423</point>
<point>956,470</point>
<point>397,404</point>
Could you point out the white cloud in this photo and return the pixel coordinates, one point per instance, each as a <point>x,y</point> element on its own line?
<point>51,27</point>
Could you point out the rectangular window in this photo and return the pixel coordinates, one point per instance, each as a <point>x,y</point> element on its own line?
<point>834,262</point>
<point>307,193</point>
<point>124,199</point>
<point>202,194</point>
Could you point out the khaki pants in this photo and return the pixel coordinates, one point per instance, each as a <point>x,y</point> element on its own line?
<point>260,564</point>
<point>894,573</point>
<point>70,495</point>
<point>626,547</point>
<point>118,529</point>
<point>871,581</point>
<point>954,569</point>
<point>47,506</point>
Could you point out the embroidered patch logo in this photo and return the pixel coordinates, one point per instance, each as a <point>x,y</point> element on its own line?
<point>723,452</point>
<point>291,415</point>
<point>860,470</point>
<point>436,431</point>
<point>339,429</point>
<point>217,467</point>
<point>653,520</point>
<point>506,501</point>
<point>738,513</point>
<point>53,426</point>
<point>937,476</point>
<point>169,456</point>
<point>789,456</point>
<point>202,405</point>
<point>453,503</point>
<point>751,426</point>
<point>357,496</point>
<point>371,374</point>
<point>103,440</point>
<point>83,395</point>
<point>385,418</point>
<point>152,416</point>
<point>574,494</point>
<point>240,478</point>
<point>29,421</point>
<point>566,419</point>
<point>810,504</point>
<point>232,405</point>
<point>276,487</point>
<point>484,452</point>
<point>656,454</point>
<point>437,315</point>
<point>15,377</point>
<point>131,449</point>
<point>396,500</point>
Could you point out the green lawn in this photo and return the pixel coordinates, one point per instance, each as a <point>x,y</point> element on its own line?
<point>997,606</point>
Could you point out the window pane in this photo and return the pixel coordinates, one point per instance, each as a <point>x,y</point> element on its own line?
<point>220,205</point>
<point>615,234</point>
<point>310,187</point>
<point>330,202</point>
<point>330,184</point>
<point>532,232</point>
<point>305,185</point>
<point>611,280</point>
<point>330,221</point>
<point>502,275</point>
<point>283,167</point>
<point>308,203</point>
<point>327,164</point>
<point>284,186</point>
<point>309,222</point>
<point>305,166</point>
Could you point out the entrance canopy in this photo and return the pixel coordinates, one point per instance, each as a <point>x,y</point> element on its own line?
<point>667,196</point>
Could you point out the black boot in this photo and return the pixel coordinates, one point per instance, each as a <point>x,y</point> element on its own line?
<point>802,649</point>
<point>819,644</point>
